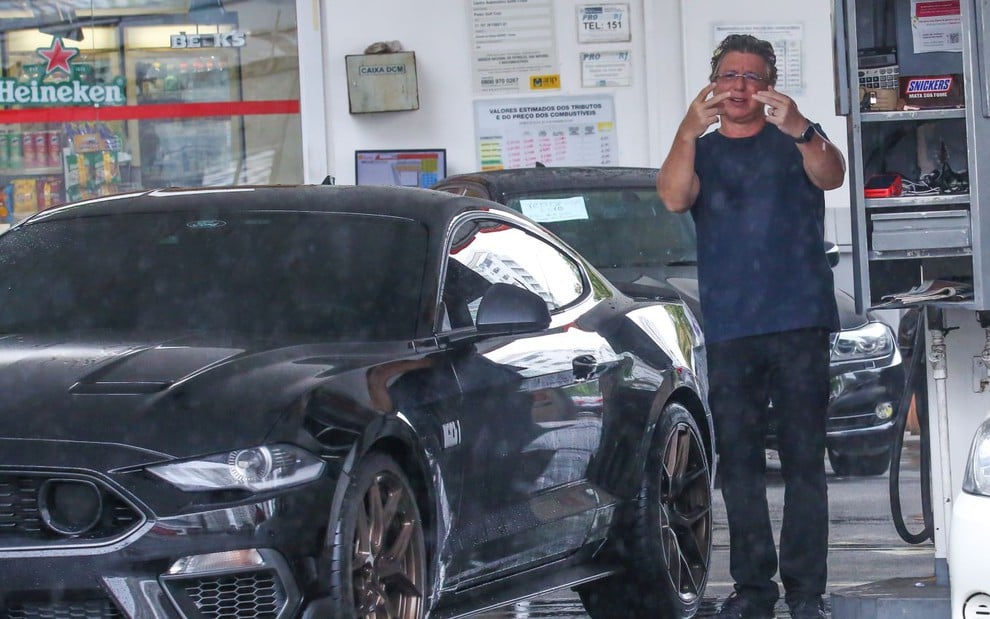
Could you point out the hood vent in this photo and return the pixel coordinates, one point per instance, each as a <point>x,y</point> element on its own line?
<point>119,388</point>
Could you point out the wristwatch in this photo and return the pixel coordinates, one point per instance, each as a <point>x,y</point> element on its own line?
<point>808,133</point>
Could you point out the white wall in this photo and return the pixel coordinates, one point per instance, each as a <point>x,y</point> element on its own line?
<point>671,46</point>
<point>440,37</point>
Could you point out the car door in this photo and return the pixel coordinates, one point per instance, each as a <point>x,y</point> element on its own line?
<point>531,405</point>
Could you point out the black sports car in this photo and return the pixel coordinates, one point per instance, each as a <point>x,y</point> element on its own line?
<point>613,216</point>
<point>338,402</point>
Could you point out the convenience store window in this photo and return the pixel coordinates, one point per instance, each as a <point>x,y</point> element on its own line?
<point>106,96</point>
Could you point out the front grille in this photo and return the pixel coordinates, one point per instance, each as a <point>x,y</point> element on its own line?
<point>64,609</point>
<point>19,505</point>
<point>21,522</point>
<point>836,424</point>
<point>248,595</point>
<point>853,422</point>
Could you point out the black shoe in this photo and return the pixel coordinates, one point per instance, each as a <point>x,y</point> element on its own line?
<point>807,608</point>
<point>740,607</point>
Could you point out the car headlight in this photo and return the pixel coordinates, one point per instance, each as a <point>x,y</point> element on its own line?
<point>977,478</point>
<point>255,469</point>
<point>871,341</point>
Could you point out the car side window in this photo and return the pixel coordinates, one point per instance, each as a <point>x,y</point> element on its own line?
<point>484,252</point>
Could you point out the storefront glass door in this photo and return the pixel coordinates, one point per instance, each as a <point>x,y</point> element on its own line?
<point>103,96</point>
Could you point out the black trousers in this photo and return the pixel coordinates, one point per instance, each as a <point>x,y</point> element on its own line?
<point>791,369</point>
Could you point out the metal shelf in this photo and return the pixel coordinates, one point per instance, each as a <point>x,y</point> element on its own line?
<point>907,115</point>
<point>966,305</point>
<point>914,254</point>
<point>30,171</point>
<point>932,200</point>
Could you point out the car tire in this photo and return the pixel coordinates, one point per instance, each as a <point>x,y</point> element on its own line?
<point>377,551</point>
<point>859,465</point>
<point>664,535</point>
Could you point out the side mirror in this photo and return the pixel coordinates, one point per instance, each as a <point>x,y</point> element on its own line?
<point>832,253</point>
<point>507,309</point>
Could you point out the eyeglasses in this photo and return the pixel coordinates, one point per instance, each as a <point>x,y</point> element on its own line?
<point>748,78</point>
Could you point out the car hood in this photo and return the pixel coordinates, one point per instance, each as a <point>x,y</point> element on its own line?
<point>640,282</point>
<point>172,397</point>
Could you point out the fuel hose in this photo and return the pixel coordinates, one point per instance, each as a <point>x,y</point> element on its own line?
<point>916,388</point>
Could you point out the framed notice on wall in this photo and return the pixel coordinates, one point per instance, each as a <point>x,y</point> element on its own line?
<point>407,168</point>
<point>514,46</point>
<point>603,23</point>
<point>553,131</point>
<point>606,68</point>
<point>788,46</point>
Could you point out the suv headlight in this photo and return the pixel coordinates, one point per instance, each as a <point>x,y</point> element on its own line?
<point>872,341</point>
<point>977,478</point>
<point>255,469</point>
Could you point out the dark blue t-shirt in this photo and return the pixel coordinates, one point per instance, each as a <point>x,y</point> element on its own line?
<point>760,220</point>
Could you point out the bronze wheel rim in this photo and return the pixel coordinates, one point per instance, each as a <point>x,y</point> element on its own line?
<point>387,573</point>
<point>685,513</point>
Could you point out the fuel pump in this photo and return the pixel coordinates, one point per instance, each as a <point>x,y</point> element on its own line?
<point>912,81</point>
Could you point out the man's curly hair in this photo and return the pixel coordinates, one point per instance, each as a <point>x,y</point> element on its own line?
<point>748,44</point>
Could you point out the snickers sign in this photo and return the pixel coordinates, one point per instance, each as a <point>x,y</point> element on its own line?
<point>936,85</point>
<point>919,92</point>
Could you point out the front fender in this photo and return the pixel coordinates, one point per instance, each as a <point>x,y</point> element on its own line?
<point>415,450</point>
<point>666,362</point>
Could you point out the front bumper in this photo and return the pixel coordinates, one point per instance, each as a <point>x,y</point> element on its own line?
<point>862,393</point>
<point>862,414</point>
<point>247,584</point>
<point>151,555</point>
<point>230,563</point>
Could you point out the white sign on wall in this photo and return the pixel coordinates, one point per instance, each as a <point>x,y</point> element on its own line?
<point>936,26</point>
<point>603,23</point>
<point>788,43</point>
<point>514,46</point>
<point>606,68</point>
<point>557,131</point>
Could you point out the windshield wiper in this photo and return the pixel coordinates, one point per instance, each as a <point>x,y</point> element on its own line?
<point>682,263</point>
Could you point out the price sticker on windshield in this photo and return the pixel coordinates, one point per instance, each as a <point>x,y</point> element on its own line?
<point>557,209</point>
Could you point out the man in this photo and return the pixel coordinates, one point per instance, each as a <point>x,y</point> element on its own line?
<point>755,188</point>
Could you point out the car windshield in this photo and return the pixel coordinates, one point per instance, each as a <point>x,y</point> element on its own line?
<point>329,276</point>
<point>614,227</point>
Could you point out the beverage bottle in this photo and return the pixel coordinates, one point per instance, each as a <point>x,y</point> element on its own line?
<point>16,154</point>
<point>4,149</point>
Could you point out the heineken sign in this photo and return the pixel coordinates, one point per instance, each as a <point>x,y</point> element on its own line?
<point>72,91</point>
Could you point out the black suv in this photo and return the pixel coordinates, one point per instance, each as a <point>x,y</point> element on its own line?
<point>614,218</point>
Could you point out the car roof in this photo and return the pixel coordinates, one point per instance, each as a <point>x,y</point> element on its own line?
<point>433,208</point>
<point>508,182</point>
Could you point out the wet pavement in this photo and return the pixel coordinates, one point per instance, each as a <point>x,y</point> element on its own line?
<point>569,607</point>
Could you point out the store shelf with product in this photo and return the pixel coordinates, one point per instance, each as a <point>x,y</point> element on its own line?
<point>169,87</point>
<point>166,147</point>
<point>44,166</point>
<point>915,215</point>
<point>92,160</point>
<point>924,222</point>
<point>30,170</point>
<point>182,151</point>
